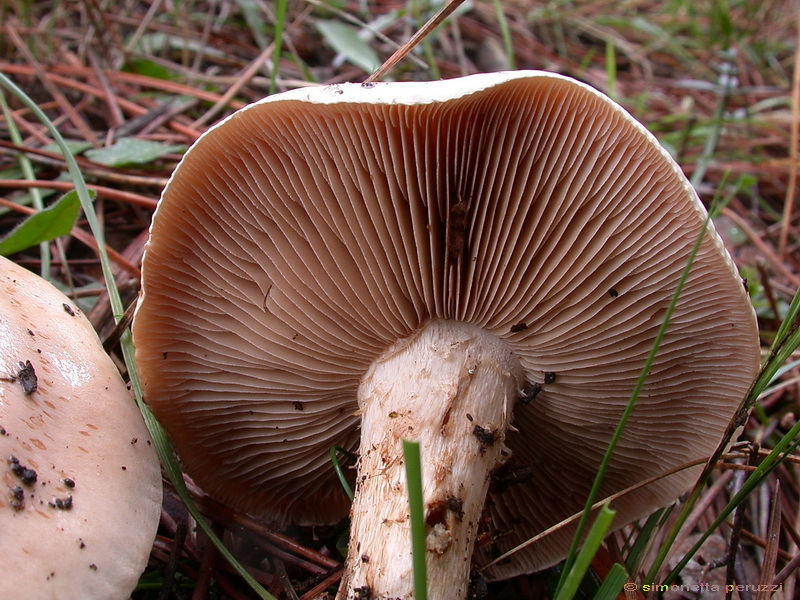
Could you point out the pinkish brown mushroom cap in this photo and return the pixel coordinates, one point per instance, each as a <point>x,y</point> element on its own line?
<point>305,235</point>
<point>80,498</point>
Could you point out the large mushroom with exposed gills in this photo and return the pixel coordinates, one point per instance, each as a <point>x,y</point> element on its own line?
<point>479,264</point>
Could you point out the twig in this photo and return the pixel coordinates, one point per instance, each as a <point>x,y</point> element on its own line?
<point>420,35</point>
<point>791,186</point>
<point>323,585</point>
<point>205,573</point>
<point>53,90</point>
<point>765,250</point>
<point>65,186</point>
<point>172,565</point>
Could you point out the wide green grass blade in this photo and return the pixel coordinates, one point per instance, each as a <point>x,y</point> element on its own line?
<point>573,576</point>
<point>411,455</point>
<point>612,584</point>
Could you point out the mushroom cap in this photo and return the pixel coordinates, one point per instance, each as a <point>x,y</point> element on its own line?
<point>80,499</point>
<point>305,234</point>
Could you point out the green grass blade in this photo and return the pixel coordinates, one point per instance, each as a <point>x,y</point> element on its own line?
<point>508,44</point>
<point>27,171</point>
<point>170,463</point>
<point>715,133</point>
<point>612,584</point>
<point>783,346</point>
<point>611,70</point>
<point>573,576</point>
<point>337,467</point>
<point>639,547</point>
<point>411,455</point>
<point>790,321</point>
<point>280,21</point>
<point>786,342</point>
<point>632,402</point>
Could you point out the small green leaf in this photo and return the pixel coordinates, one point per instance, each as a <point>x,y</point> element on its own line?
<point>43,226</point>
<point>148,68</point>
<point>132,151</point>
<point>75,147</point>
<point>344,39</point>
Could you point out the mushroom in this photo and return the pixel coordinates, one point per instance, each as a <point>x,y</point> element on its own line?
<point>80,498</point>
<point>351,265</point>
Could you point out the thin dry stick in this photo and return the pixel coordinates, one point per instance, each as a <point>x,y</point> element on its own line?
<point>120,76</point>
<point>788,576</point>
<point>220,512</point>
<point>793,162</point>
<point>127,105</point>
<point>703,504</point>
<point>432,24</point>
<point>115,112</point>
<point>755,540</point>
<point>738,523</point>
<point>315,592</point>
<point>30,129</point>
<point>613,497</point>
<point>52,89</point>
<point>783,576</point>
<point>65,186</point>
<point>771,554</point>
<point>253,68</point>
<point>759,243</point>
<point>120,177</point>
<point>345,16</point>
<point>172,563</point>
<point>143,25</point>
<point>205,572</point>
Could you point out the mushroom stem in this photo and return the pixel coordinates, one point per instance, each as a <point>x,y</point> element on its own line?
<point>451,387</point>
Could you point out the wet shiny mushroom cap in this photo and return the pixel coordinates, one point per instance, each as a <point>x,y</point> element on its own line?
<point>80,490</point>
<point>306,234</point>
